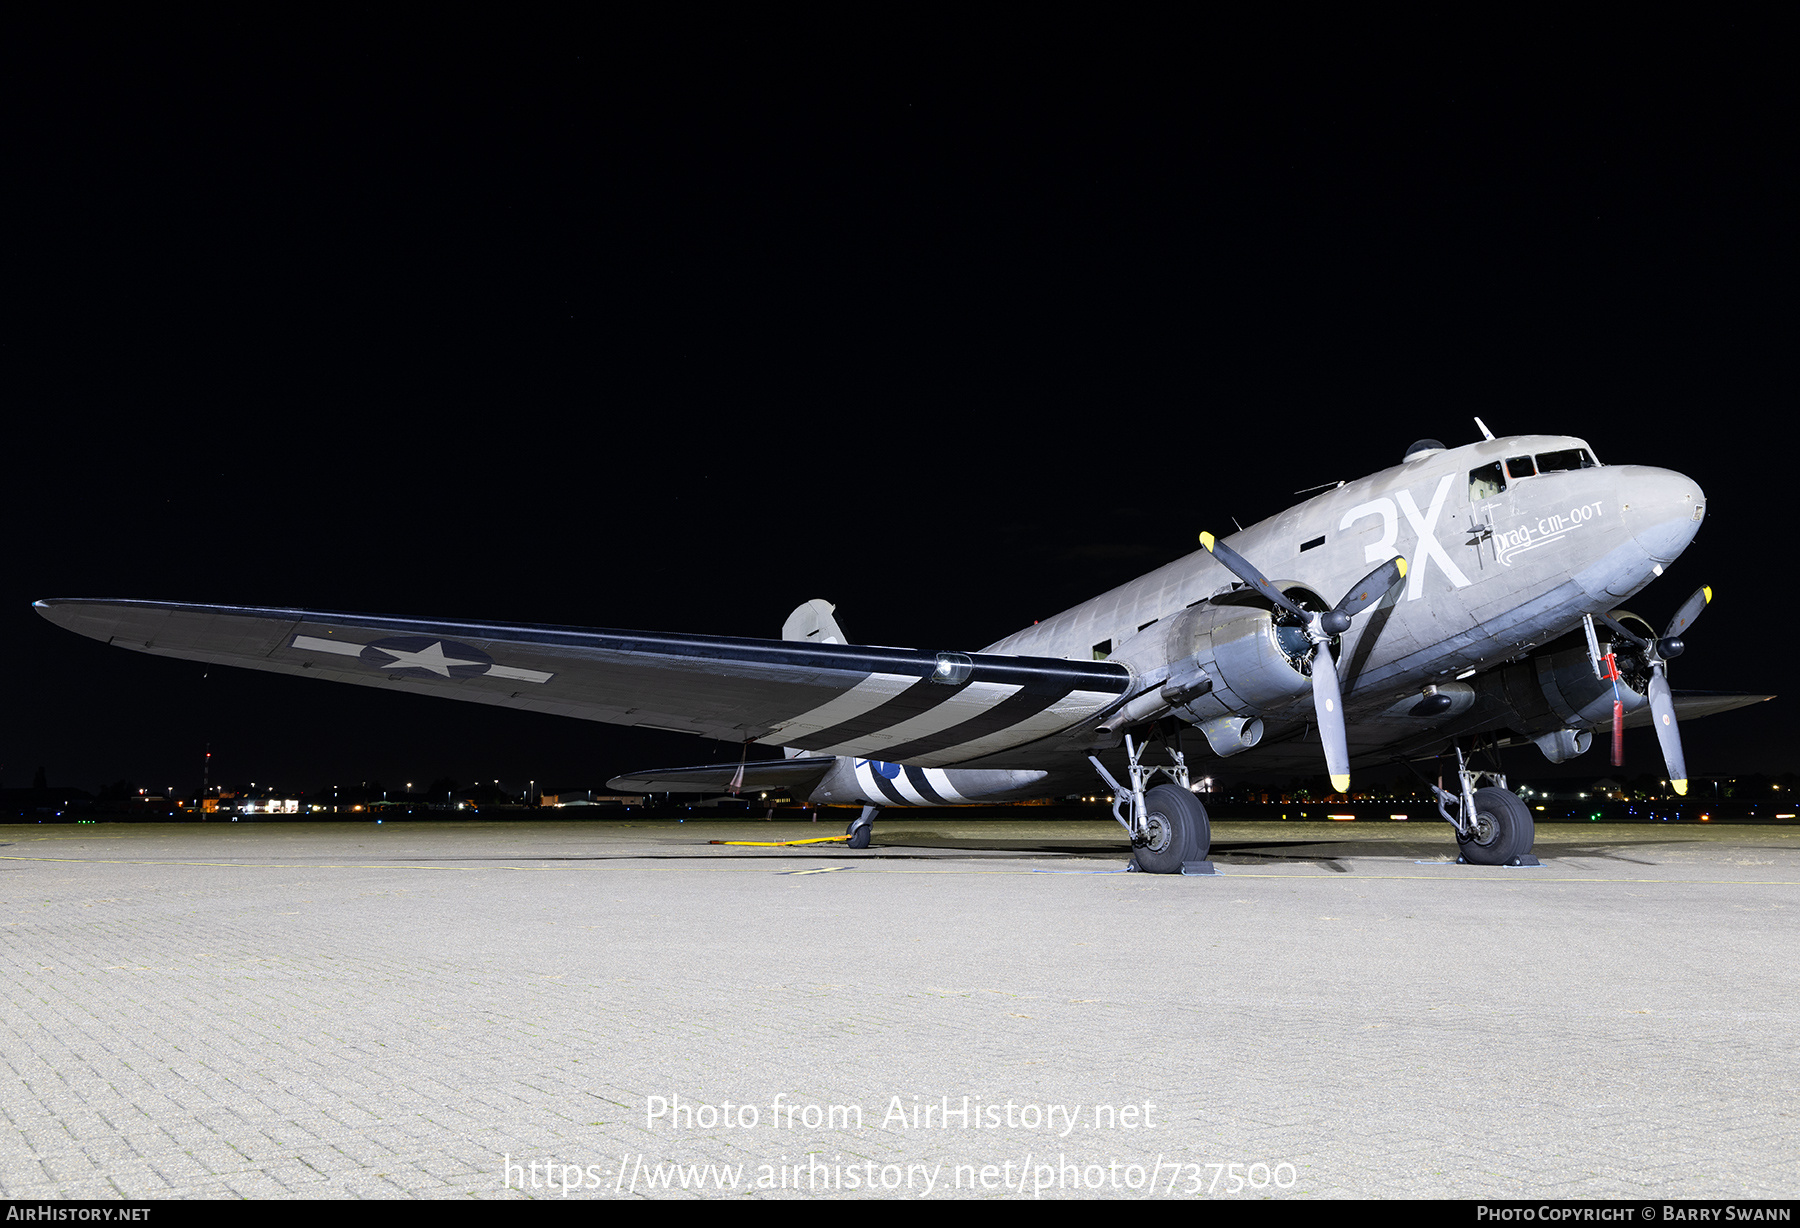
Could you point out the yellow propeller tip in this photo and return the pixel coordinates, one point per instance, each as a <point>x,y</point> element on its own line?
<point>1207,540</point>
<point>1401,563</point>
<point>1341,783</point>
<point>1680,787</point>
<point>1708,592</point>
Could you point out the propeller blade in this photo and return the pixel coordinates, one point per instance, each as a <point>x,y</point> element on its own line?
<point>1623,630</point>
<point>1328,699</point>
<point>1242,568</point>
<point>1689,611</point>
<point>1365,593</point>
<point>1328,703</point>
<point>1662,712</point>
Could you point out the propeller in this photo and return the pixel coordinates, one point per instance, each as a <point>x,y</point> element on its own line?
<point>1662,702</point>
<point>1328,698</point>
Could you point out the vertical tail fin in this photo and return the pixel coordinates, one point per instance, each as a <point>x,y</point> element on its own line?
<point>812,623</point>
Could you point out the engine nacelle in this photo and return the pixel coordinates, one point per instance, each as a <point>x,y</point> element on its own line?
<point>1218,660</point>
<point>1557,690</point>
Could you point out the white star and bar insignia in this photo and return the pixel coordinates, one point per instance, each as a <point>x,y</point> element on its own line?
<point>421,656</point>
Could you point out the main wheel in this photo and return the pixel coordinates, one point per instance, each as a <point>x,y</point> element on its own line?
<point>1503,829</point>
<point>1178,830</point>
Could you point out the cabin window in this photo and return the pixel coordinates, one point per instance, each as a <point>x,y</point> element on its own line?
<point>1556,462</point>
<point>1102,650</point>
<point>1520,467</point>
<point>1486,482</point>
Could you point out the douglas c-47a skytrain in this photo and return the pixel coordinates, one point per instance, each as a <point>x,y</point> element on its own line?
<point>1463,599</point>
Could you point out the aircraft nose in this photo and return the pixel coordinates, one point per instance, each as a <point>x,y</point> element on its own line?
<point>1663,510</point>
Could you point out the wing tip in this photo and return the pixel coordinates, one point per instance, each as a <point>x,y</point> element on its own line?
<point>59,610</point>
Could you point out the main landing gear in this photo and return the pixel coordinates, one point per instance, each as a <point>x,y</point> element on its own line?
<point>1169,830</point>
<point>1493,827</point>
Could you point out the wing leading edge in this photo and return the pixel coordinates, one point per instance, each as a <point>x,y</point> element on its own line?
<point>898,705</point>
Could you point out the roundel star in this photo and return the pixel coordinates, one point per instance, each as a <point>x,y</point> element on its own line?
<point>431,658</point>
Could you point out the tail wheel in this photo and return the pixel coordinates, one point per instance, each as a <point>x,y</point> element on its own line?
<point>1178,830</point>
<point>1503,830</point>
<point>862,827</point>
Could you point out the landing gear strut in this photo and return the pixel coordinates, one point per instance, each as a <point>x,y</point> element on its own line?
<point>1493,827</point>
<point>1168,826</point>
<point>862,827</point>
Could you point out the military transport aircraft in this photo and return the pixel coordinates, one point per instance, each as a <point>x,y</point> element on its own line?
<point>1463,598</point>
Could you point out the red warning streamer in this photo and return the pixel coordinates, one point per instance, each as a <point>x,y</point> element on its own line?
<point>1618,730</point>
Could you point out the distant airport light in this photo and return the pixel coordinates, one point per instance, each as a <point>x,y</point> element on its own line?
<point>1342,818</point>
<point>1398,818</point>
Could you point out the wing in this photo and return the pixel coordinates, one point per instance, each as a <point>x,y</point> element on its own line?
<point>1689,706</point>
<point>1692,705</point>
<point>895,704</point>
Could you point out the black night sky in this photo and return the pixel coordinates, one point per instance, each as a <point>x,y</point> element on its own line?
<point>610,328</point>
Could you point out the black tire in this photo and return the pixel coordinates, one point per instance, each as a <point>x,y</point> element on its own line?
<point>859,834</point>
<point>1525,835</point>
<point>1179,830</point>
<point>1503,829</point>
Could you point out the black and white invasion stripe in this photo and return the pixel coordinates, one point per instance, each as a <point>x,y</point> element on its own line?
<point>910,719</point>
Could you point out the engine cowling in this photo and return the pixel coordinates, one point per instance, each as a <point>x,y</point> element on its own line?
<point>1556,689</point>
<point>1220,665</point>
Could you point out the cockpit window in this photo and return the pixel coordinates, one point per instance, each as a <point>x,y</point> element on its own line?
<point>1573,458</point>
<point>1486,482</point>
<point>1520,467</point>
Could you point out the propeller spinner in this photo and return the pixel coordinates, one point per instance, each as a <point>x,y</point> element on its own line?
<point>1328,699</point>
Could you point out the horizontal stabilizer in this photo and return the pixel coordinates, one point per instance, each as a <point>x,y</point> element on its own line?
<point>768,776</point>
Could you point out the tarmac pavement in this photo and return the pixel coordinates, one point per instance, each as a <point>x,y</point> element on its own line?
<point>968,1008</point>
